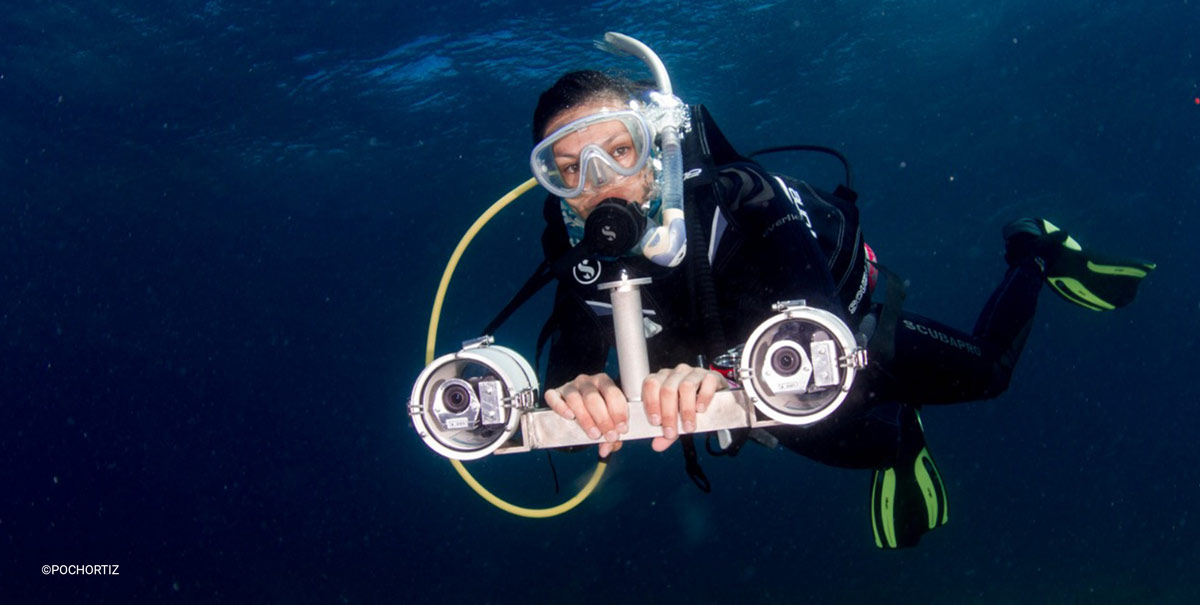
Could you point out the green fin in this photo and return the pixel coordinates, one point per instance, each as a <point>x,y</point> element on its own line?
<point>907,501</point>
<point>1091,280</point>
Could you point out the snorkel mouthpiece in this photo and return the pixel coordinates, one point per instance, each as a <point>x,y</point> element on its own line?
<point>664,245</point>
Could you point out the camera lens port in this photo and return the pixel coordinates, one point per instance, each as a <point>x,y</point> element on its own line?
<point>785,361</point>
<point>456,398</point>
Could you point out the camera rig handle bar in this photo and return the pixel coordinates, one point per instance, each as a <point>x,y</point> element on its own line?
<point>729,409</point>
<point>796,368</point>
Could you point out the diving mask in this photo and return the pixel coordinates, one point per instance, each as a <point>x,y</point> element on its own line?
<point>592,152</point>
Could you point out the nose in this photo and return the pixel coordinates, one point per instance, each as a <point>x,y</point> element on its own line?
<point>599,174</point>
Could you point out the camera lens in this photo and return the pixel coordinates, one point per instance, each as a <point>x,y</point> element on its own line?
<point>785,361</point>
<point>456,398</point>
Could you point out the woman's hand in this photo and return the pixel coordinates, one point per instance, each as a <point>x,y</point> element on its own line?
<point>670,396</point>
<point>597,404</point>
<point>675,395</point>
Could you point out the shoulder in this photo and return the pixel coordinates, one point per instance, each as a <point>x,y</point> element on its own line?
<point>747,189</point>
<point>758,201</point>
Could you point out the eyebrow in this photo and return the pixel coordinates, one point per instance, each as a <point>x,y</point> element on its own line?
<point>601,143</point>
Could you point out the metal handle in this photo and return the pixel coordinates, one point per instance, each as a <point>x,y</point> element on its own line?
<point>729,409</point>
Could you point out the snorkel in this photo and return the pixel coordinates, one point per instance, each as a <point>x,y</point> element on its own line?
<point>664,244</point>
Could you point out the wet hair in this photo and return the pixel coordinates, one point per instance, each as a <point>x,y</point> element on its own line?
<point>577,88</point>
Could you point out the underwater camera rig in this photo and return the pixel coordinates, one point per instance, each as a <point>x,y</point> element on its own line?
<point>796,368</point>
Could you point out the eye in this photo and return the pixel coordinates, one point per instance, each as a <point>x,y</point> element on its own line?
<point>624,154</point>
<point>569,173</point>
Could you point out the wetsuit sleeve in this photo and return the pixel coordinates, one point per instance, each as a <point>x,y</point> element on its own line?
<point>780,246</point>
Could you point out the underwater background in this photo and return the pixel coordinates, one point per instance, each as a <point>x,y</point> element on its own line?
<point>222,225</point>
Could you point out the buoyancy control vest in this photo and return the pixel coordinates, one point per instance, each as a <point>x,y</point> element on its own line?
<point>832,218</point>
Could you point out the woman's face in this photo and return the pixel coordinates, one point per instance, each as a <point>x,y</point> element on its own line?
<point>614,139</point>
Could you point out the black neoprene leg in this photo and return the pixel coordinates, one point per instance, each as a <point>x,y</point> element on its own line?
<point>933,364</point>
<point>936,364</point>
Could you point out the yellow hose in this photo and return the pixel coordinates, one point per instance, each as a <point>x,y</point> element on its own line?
<point>457,254</point>
<point>431,341</point>
<point>531,513</point>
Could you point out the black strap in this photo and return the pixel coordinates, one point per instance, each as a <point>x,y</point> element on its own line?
<point>548,328</point>
<point>884,339</point>
<point>692,464</point>
<point>553,471</point>
<point>702,189</point>
<point>545,273</point>
<point>740,437</point>
<point>821,148</point>
<point>700,279</point>
<point>541,276</point>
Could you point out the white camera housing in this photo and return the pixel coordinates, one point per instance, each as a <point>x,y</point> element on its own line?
<point>467,404</point>
<point>797,367</point>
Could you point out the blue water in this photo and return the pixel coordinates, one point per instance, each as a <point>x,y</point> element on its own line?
<point>221,226</point>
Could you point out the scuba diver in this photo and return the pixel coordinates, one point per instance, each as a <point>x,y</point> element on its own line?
<point>725,244</point>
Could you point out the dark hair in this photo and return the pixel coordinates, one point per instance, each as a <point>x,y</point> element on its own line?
<point>577,88</point>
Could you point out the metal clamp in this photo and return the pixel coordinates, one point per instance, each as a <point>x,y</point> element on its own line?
<point>524,400</point>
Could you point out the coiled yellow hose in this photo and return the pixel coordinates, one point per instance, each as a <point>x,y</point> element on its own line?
<point>431,341</point>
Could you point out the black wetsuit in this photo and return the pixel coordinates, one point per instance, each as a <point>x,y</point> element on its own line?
<point>756,239</point>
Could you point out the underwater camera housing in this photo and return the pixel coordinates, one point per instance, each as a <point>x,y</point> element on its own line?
<point>796,368</point>
<point>466,405</point>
